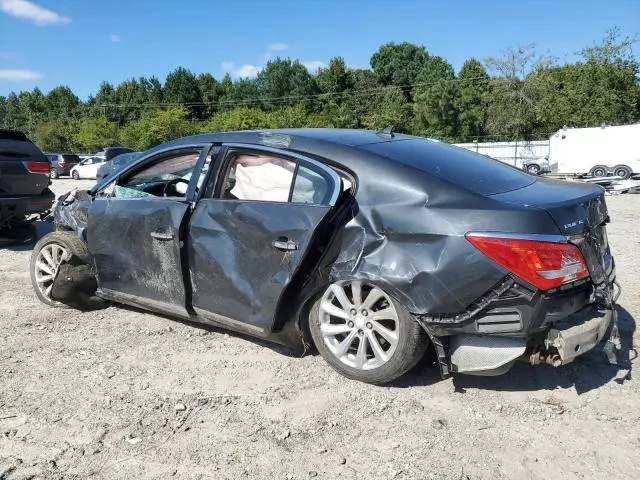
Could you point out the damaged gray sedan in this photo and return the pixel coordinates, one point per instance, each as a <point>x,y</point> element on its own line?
<point>369,245</point>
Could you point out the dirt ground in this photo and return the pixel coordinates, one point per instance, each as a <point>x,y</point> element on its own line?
<point>122,394</point>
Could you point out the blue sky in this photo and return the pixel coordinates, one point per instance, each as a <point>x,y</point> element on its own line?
<point>80,43</point>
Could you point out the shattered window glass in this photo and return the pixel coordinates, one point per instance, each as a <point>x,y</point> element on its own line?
<point>167,177</point>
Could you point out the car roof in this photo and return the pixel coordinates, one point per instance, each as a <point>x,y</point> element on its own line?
<point>340,146</point>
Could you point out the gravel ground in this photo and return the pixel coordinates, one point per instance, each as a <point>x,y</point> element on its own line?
<point>119,393</point>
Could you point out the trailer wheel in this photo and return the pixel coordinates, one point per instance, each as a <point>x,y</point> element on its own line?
<point>533,169</point>
<point>598,171</point>
<point>622,171</point>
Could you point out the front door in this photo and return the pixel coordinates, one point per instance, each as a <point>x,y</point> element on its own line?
<point>135,230</point>
<point>247,240</point>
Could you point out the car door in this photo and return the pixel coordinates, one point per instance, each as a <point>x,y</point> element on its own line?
<point>135,230</point>
<point>92,169</point>
<point>83,168</point>
<point>247,240</point>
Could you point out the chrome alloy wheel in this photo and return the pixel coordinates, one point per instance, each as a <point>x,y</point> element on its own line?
<point>46,267</point>
<point>359,324</point>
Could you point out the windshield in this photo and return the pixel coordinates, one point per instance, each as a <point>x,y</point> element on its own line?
<point>466,169</point>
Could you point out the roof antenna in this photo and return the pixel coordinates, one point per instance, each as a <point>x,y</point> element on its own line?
<point>386,132</point>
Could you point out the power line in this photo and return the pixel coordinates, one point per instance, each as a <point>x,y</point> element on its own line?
<point>250,101</point>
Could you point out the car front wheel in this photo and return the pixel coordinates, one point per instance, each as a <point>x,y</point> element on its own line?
<point>75,175</point>
<point>364,334</point>
<point>46,258</point>
<point>54,173</point>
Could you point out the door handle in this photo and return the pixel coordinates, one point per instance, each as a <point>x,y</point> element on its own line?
<point>283,243</point>
<point>162,236</point>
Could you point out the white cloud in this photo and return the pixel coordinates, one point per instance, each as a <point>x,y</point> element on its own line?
<point>245,71</point>
<point>277,47</point>
<point>19,75</point>
<point>314,65</point>
<point>114,37</point>
<point>34,13</point>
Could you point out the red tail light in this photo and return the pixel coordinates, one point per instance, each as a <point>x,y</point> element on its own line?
<point>544,265</point>
<point>38,167</point>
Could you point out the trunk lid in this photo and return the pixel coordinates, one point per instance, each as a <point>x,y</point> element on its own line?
<point>580,212</point>
<point>15,179</point>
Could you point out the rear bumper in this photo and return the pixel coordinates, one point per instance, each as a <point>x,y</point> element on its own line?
<point>20,207</point>
<point>566,340</point>
<point>578,334</point>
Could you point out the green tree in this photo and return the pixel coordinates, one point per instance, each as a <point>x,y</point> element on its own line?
<point>14,115</point>
<point>393,109</point>
<point>52,137</point>
<point>472,100</point>
<point>211,93</point>
<point>361,101</point>
<point>285,82</point>
<point>62,104</point>
<point>399,64</point>
<point>94,133</point>
<point>241,118</point>
<point>511,111</point>
<point>181,90</point>
<point>156,127</point>
<point>435,94</point>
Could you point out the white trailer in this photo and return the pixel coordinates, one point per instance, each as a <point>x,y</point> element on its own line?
<point>597,151</point>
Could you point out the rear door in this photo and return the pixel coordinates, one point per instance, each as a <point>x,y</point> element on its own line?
<point>135,230</point>
<point>247,239</point>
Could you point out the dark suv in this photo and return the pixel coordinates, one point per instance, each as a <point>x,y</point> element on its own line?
<point>62,163</point>
<point>24,180</point>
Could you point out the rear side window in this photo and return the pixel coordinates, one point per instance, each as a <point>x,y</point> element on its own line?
<point>310,187</point>
<point>468,170</point>
<point>71,158</point>
<point>267,178</point>
<point>259,177</point>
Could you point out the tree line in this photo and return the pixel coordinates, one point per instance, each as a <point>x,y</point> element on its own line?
<point>519,94</point>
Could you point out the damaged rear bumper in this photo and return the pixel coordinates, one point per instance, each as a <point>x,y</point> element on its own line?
<point>566,340</point>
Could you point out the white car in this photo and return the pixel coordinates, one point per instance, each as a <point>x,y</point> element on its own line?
<point>87,168</point>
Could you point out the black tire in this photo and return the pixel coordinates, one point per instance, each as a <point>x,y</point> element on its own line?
<point>70,242</point>
<point>75,175</point>
<point>54,174</point>
<point>598,171</point>
<point>411,347</point>
<point>533,169</point>
<point>622,171</point>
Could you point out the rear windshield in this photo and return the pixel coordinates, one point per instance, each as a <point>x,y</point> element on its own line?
<point>71,158</point>
<point>461,167</point>
<point>19,149</point>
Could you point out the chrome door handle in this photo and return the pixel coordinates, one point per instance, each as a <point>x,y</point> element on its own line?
<point>285,244</point>
<point>162,236</point>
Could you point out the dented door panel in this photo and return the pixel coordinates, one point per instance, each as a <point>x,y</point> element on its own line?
<point>243,254</point>
<point>136,246</point>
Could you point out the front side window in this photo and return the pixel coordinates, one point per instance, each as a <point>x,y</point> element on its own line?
<point>167,176</point>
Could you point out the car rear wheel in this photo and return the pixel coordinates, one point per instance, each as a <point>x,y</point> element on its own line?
<point>364,334</point>
<point>598,171</point>
<point>622,171</point>
<point>54,173</point>
<point>46,258</point>
<point>75,175</point>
